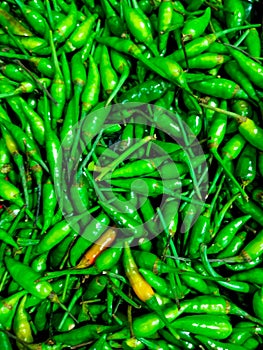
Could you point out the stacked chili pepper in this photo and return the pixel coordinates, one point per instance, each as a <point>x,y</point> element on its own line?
<point>131,161</point>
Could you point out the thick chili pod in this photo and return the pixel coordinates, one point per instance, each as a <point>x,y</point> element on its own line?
<point>66,26</point>
<point>207,60</point>
<point>138,168</point>
<point>254,276</point>
<point>220,87</point>
<point>252,343</point>
<point>148,324</point>
<point>224,236</point>
<point>153,186</point>
<point>8,308</point>
<point>13,72</point>
<point>115,23</point>
<point>21,326</point>
<point>253,43</point>
<point>34,18</point>
<point>254,248</point>
<point>147,91</point>
<point>109,78</point>
<point>216,305</point>
<point>241,107</point>
<point>165,17</point>
<point>161,285</point>
<point>245,169</point>
<point>124,205</point>
<point>233,248</point>
<point>173,70</point>
<point>53,237</point>
<point>13,25</point>
<point>5,161</point>
<point>8,215</point>
<point>18,159</point>
<point>35,121</point>
<point>251,68</point>
<point>194,27</point>
<point>148,213</point>
<point>122,66</point>
<point>200,233</point>
<point>78,75</point>
<point>90,94</point>
<point>10,192</point>
<point>27,278</point>
<point>234,12</point>
<point>251,132</point>
<point>194,282</point>
<point>139,26</point>
<point>108,258</point>
<point>257,195</point>
<point>151,262</point>
<point>257,303</point>
<point>80,35</point>
<point>214,327</point>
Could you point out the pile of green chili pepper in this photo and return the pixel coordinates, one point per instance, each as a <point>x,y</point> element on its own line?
<point>131,166</point>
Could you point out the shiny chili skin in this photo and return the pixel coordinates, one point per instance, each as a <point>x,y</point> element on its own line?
<point>195,27</point>
<point>221,88</point>
<point>27,278</point>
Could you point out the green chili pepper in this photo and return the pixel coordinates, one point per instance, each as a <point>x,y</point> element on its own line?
<point>221,88</point>
<point>66,26</point>
<point>27,278</point>
<point>58,90</point>
<point>34,18</point>
<point>8,308</point>
<point>195,27</point>
<point>165,16</point>
<point>139,26</point>
<point>84,334</point>
<point>253,43</point>
<point>246,165</point>
<point>80,35</point>
<point>233,70</point>
<point>15,27</point>
<point>199,45</point>
<point>213,344</point>
<point>234,12</point>
<point>4,340</point>
<point>252,69</point>
<point>215,328</point>
<point>223,237</point>
<point>21,325</point>
<point>109,78</point>
<point>234,247</point>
